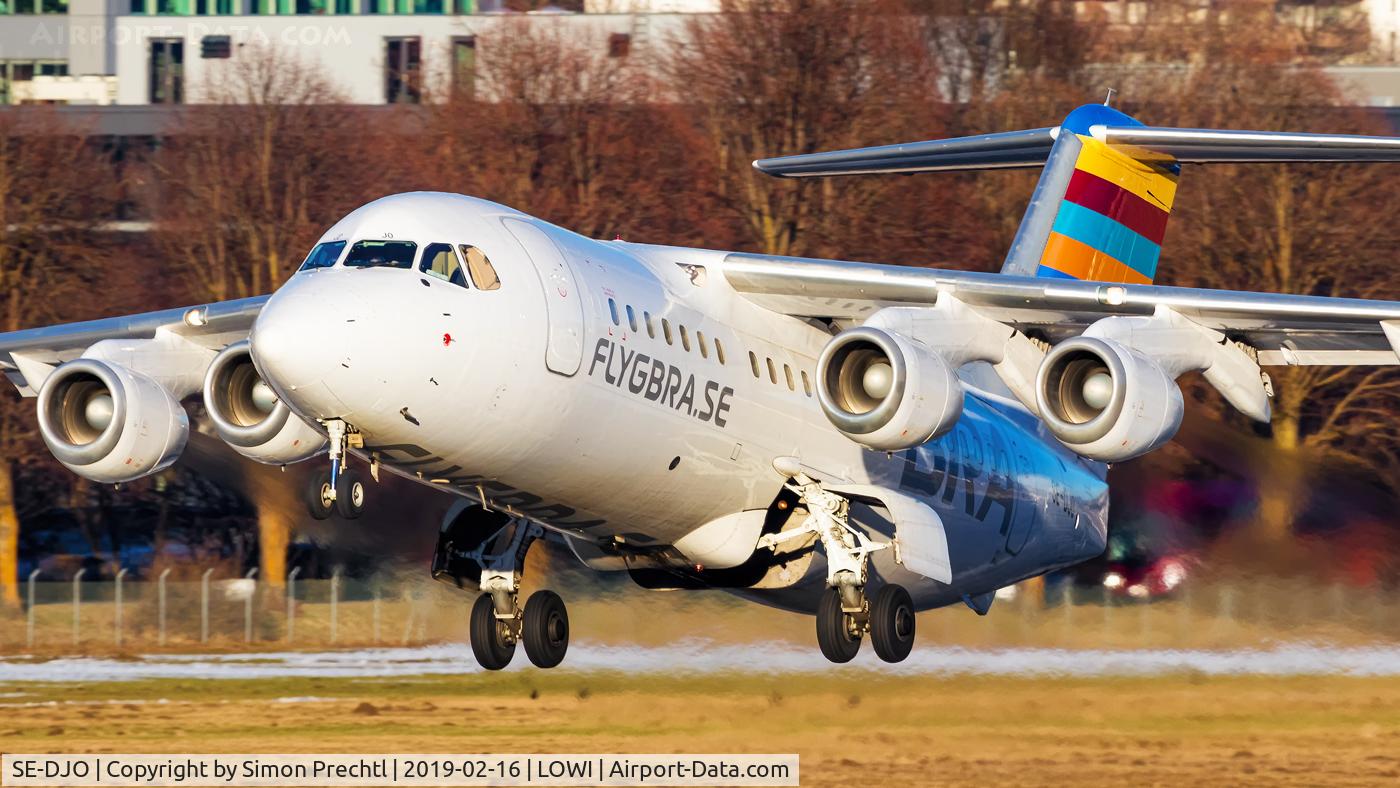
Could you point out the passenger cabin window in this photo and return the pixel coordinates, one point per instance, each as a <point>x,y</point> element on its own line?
<point>719,350</point>
<point>787,373</point>
<point>806,383</point>
<point>440,261</point>
<point>700,340</point>
<point>324,255</point>
<point>666,329</point>
<point>753,362</point>
<point>685,340</point>
<point>612,311</point>
<point>381,254</point>
<point>651,329</point>
<point>631,319</point>
<point>772,370</point>
<point>483,273</point>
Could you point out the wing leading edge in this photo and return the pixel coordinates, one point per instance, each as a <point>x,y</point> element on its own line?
<point>1284,329</point>
<point>213,326</point>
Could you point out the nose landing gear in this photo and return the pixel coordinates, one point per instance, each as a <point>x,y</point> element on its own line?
<point>340,489</point>
<point>497,621</point>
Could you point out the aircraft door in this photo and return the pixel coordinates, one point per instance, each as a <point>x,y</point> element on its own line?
<point>562,298</point>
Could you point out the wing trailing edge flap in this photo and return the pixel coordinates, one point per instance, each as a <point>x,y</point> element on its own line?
<point>920,538</point>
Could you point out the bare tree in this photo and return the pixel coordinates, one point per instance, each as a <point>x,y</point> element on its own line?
<point>565,126</point>
<point>55,186</point>
<point>248,182</point>
<point>775,77</point>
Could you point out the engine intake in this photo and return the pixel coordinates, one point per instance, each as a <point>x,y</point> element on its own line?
<point>108,423</point>
<point>248,415</point>
<point>885,391</point>
<point>1107,401</point>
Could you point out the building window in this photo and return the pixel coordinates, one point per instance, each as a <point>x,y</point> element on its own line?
<point>13,71</point>
<point>402,70</point>
<point>167,70</point>
<point>619,44</point>
<point>215,47</point>
<point>464,66</point>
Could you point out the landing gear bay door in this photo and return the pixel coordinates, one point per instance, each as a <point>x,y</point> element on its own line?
<point>563,301</point>
<point>919,532</point>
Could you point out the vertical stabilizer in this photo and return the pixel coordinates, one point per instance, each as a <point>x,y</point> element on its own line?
<point>1098,212</point>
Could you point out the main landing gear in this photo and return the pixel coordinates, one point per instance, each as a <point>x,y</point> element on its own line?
<point>340,489</point>
<point>844,614</point>
<point>497,621</point>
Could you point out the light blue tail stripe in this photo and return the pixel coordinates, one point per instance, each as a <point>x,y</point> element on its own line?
<point>1099,232</point>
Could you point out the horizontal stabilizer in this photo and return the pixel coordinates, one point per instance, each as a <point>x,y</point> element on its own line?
<point>1203,146</point>
<point>1006,150</point>
<point>1016,149</point>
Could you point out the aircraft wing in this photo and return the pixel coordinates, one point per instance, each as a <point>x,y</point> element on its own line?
<point>209,325</point>
<point>1284,329</point>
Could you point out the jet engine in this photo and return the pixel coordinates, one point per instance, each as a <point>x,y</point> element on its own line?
<point>886,391</point>
<point>1106,401</point>
<point>108,423</point>
<point>248,415</point>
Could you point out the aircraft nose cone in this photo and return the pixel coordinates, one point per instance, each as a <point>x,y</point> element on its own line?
<point>301,342</point>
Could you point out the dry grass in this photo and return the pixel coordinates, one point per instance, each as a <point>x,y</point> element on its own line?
<point>850,729</point>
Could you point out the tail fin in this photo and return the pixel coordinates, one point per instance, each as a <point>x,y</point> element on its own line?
<point>1099,212</point>
<point>1100,209</point>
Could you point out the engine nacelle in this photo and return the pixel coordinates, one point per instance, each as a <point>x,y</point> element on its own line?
<point>108,423</point>
<point>1107,401</point>
<point>886,391</point>
<point>248,415</point>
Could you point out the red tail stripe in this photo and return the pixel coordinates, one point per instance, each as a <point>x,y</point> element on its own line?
<point>1119,204</point>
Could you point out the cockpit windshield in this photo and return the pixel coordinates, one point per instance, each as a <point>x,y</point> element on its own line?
<point>381,254</point>
<point>323,256</point>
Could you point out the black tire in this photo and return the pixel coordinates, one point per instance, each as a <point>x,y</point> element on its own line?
<point>545,629</point>
<point>489,644</point>
<point>834,635</point>
<point>350,494</point>
<point>318,501</point>
<point>892,623</point>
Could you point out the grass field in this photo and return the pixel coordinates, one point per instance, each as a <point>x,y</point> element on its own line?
<point>854,728</point>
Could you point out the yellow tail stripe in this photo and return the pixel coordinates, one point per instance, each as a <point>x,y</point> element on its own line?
<point>1153,183</point>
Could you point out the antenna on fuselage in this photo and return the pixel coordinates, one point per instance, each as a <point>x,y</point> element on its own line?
<point>1108,100</point>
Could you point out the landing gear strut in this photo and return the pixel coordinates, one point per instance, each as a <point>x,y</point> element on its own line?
<point>844,614</point>
<point>497,621</point>
<point>339,489</point>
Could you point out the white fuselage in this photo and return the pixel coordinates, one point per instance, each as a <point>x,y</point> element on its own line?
<point>624,392</point>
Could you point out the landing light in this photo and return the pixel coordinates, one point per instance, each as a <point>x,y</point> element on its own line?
<point>1112,580</point>
<point>196,318</point>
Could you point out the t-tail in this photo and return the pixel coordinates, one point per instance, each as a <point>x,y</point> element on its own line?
<point>1100,210</point>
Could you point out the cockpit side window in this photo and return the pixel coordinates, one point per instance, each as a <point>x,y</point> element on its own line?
<point>381,254</point>
<point>323,256</point>
<point>440,261</point>
<point>483,273</point>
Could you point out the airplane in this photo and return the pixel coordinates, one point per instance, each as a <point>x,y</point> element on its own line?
<point>852,441</point>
